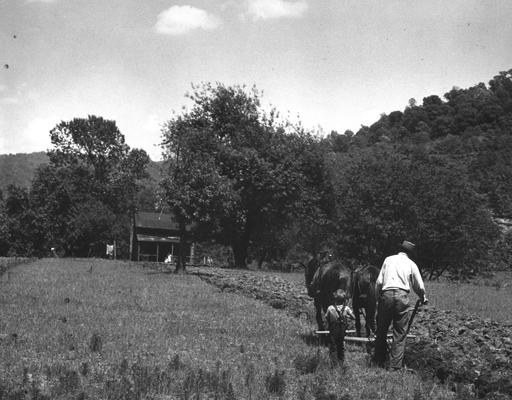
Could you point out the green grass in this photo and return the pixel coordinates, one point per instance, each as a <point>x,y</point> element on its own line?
<point>9,262</point>
<point>492,301</point>
<point>112,330</point>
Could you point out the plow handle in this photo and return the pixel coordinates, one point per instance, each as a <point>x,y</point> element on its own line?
<point>419,302</point>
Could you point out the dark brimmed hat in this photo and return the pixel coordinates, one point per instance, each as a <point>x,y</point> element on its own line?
<point>408,247</point>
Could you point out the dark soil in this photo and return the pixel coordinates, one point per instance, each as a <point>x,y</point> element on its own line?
<point>451,347</point>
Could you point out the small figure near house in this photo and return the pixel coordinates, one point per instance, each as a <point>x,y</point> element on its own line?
<point>53,252</point>
<point>398,275</point>
<point>110,251</point>
<point>168,259</point>
<point>337,322</point>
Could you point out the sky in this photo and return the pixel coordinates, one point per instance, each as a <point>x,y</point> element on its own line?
<point>331,64</point>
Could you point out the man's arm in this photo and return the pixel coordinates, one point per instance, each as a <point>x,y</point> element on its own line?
<point>327,316</point>
<point>417,283</point>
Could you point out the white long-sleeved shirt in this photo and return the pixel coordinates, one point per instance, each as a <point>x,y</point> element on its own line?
<point>334,312</point>
<point>400,272</point>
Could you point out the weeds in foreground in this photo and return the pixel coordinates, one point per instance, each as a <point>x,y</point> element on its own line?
<point>307,363</point>
<point>275,383</point>
<point>168,346</point>
<point>131,382</point>
<point>10,262</point>
<point>96,343</point>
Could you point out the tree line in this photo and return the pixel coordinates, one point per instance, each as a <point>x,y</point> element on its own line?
<point>437,173</point>
<point>79,201</point>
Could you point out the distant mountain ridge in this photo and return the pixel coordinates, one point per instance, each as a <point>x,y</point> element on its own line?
<point>19,169</point>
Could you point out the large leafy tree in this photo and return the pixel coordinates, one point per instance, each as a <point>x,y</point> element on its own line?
<point>88,192</point>
<point>192,186</point>
<point>55,193</point>
<point>232,168</point>
<point>22,228</point>
<point>491,168</point>
<point>4,228</point>
<point>92,141</point>
<point>384,197</point>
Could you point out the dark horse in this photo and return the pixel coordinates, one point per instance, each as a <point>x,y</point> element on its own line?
<point>364,296</point>
<point>322,280</point>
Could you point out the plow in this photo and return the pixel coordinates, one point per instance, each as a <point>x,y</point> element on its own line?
<point>357,339</point>
<point>351,338</point>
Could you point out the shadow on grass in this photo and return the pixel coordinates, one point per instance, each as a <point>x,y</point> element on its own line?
<point>156,272</point>
<point>312,339</point>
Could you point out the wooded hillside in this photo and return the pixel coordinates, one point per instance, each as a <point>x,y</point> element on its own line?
<point>470,128</point>
<point>19,169</point>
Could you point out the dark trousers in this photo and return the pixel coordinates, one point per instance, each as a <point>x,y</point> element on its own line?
<point>337,344</point>
<point>393,307</point>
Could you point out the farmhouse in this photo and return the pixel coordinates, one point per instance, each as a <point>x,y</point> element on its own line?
<point>155,236</point>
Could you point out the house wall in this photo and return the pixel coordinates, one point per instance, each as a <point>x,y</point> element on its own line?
<point>162,248</point>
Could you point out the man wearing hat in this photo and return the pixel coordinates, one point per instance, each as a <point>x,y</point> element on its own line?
<point>399,273</point>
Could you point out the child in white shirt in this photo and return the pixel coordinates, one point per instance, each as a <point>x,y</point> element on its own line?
<point>337,322</point>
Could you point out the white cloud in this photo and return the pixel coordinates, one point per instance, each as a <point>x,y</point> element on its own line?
<point>10,100</point>
<point>267,9</point>
<point>12,97</point>
<point>145,134</point>
<point>179,20</point>
<point>34,136</point>
<point>17,96</point>
<point>42,1</point>
<point>38,128</point>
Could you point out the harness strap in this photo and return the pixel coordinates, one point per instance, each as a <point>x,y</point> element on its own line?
<point>341,318</point>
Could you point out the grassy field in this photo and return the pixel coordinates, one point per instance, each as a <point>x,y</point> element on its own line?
<point>9,262</point>
<point>486,298</point>
<point>94,329</point>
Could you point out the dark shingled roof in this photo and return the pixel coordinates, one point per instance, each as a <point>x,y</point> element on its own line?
<point>156,221</point>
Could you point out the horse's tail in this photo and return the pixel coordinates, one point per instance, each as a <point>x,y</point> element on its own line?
<point>356,279</point>
<point>347,279</point>
<point>314,283</point>
<point>352,284</point>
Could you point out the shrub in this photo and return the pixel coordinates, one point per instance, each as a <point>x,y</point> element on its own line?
<point>275,383</point>
<point>307,363</point>
<point>69,382</point>
<point>278,304</point>
<point>502,252</point>
<point>176,363</point>
<point>96,343</point>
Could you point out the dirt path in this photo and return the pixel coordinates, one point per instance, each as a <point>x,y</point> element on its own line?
<point>464,350</point>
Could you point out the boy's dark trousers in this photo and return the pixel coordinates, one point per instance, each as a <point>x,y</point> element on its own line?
<point>337,343</point>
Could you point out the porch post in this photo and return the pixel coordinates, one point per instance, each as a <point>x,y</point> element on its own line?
<point>192,250</point>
